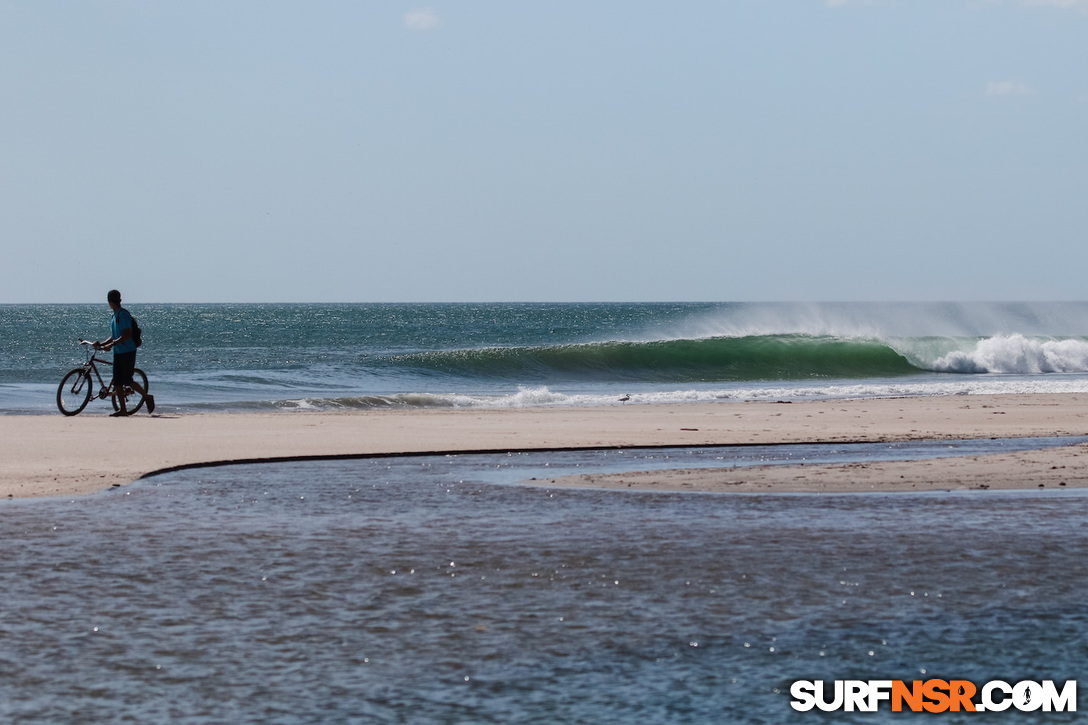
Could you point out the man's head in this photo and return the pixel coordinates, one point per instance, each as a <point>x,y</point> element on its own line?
<point>114,298</point>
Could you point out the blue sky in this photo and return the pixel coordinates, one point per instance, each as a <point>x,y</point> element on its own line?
<point>258,150</point>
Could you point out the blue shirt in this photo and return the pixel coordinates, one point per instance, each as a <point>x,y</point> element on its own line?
<point>122,321</point>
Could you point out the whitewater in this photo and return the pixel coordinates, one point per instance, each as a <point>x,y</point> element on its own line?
<point>333,356</point>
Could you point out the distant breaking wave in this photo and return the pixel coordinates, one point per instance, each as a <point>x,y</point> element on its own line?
<point>758,367</point>
<point>757,358</point>
<point>718,359</point>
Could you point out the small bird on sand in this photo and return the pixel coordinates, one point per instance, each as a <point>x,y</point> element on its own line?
<point>625,398</point>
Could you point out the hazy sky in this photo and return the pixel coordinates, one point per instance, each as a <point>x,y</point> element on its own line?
<point>479,150</point>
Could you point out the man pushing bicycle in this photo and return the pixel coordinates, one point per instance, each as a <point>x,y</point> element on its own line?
<point>123,345</point>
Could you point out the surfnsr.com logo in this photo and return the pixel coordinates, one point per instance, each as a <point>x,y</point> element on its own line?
<point>933,696</point>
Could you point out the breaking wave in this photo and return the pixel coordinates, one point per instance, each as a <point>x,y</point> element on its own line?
<point>719,359</point>
<point>1017,354</point>
<point>757,358</point>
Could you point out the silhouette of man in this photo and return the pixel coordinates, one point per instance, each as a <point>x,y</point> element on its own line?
<point>124,353</point>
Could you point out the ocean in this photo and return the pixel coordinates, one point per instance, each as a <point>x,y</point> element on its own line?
<point>327,356</point>
<point>458,589</point>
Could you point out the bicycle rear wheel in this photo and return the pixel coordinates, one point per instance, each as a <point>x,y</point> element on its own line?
<point>74,392</point>
<point>133,400</point>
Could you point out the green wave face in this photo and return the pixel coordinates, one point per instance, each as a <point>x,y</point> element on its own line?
<point>721,359</point>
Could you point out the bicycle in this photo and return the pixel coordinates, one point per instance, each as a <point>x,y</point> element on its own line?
<point>76,387</point>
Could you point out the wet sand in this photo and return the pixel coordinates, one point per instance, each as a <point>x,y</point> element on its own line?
<point>51,455</point>
<point>1056,468</point>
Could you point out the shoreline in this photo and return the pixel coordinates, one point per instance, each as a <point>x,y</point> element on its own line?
<point>52,455</point>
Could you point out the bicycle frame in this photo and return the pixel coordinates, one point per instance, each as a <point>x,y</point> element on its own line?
<point>105,389</point>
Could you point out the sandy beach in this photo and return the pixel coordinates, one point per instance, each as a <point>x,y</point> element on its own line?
<point>51,455</point>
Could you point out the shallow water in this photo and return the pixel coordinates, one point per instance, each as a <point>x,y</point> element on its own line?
<point>411,590</point>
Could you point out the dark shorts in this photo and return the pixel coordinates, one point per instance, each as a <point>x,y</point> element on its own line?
<point>123,365</point>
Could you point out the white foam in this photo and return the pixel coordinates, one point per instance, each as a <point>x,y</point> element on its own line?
<point>957,385</point>
<point>1017,354</point>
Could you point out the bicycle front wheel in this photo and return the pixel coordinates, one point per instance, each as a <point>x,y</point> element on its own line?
<point>133,400</point>
<point>74,392</point>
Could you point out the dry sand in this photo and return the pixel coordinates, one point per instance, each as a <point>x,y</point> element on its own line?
<point>51,455</point>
